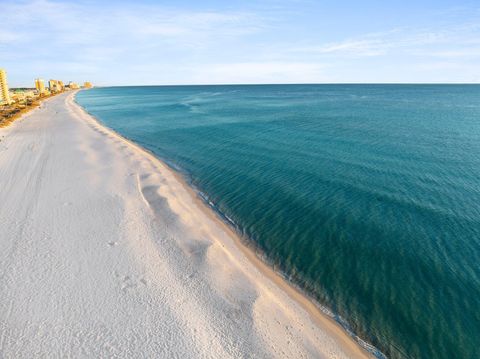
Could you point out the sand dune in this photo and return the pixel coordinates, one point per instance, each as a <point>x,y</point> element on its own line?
<point>104,252</point>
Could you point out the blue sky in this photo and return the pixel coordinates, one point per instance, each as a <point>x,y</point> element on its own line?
<point>273,41</point>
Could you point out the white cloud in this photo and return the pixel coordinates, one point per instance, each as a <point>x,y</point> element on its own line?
<point>75,24</point>
<point>365,47</point>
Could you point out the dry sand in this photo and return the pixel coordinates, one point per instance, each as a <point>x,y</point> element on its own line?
<point>105,252</point>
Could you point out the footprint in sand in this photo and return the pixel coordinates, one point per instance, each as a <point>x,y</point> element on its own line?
<point>131,283</point>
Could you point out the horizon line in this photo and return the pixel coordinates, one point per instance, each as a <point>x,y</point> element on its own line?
<point>281,84</point>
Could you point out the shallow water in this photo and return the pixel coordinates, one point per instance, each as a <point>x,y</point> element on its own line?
<point>367,196</point>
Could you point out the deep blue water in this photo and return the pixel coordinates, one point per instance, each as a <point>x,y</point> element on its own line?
<point>367,196</point>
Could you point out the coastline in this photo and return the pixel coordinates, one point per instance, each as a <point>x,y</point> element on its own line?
<point>307,303</point>
<point>144,196</point>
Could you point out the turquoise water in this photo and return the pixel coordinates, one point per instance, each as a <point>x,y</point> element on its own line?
<point>367,196</point>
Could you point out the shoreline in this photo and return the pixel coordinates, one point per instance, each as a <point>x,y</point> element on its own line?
<point>109,253</point>
<point>249,249</point>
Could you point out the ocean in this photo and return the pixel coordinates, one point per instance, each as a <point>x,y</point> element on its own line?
<point>365,196</point>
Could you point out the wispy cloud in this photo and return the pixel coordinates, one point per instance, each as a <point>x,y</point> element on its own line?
<point>456,53</point>
<point>109,36</point>
<point>275,41</point>
<point>402,40</point>
<point>74,23</point>
<point>125,27</point>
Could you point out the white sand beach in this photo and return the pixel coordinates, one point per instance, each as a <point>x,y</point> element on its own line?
<point>105,252</point>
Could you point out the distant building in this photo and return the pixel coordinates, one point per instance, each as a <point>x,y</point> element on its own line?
<point>40,86</point>
<point>56,86</point>
<point>4,95</point>
<point>87,85</point>
<point>73,85</point>
<point>53,85</point>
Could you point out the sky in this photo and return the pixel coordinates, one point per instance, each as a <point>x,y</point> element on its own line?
<point>146,42</point>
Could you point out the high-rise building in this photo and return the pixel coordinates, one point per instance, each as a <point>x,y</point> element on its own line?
<point>40,86</point>
<point>87,85</point>
<point>4,95</point>
<point>73,85</point>
<point>52,85</point>
<point>55,86</point>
